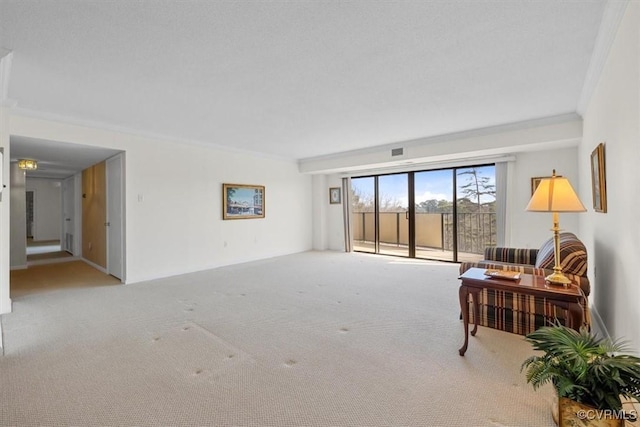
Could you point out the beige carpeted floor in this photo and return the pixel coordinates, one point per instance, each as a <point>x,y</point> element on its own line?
<point>312,339</point>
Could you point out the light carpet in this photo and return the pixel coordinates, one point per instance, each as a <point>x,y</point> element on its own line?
<point>311,339</point>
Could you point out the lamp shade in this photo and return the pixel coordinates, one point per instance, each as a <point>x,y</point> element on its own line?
<point>555,194</point>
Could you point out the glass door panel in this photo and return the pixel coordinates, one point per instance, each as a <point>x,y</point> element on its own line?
<point>363,214</point>
<point>393,214</point>
<point>434,214</point>
<point>476,211</point>
<point>452,217</point>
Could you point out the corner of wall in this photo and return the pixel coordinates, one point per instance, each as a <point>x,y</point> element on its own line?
<point>5,226</point>
<point>597,325</point>
<point>319,213</point>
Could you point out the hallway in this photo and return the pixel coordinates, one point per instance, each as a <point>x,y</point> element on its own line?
<point>57,276</point>
<point>45,250</point>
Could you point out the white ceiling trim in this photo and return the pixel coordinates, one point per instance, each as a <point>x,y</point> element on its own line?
<point>426,166</point>
<point>562,118</point>
<point>503,154</point>
<point>613,13</point>
<point>140,133</point>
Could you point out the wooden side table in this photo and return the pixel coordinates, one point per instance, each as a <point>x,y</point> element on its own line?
<point>474,281</point>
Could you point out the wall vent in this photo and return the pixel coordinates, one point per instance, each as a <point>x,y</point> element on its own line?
<point>397,151</point>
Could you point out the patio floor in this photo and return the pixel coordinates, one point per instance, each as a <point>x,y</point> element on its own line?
<point>421,252</point>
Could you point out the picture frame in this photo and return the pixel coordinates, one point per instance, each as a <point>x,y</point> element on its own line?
<point>335,197</point>
<point>598,179</point>
<point>241,201</point>
<point>535,181</point>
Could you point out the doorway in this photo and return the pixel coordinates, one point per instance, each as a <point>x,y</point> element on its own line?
<point>42,202</point>
<point>445,214</point>
<point>30,197</point>
<point>393,214</point>
<point>62,163</point>
<point>115,216</point>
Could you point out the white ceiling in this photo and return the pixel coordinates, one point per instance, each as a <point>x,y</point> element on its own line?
<point>57,160</point>
<point>299,79</point>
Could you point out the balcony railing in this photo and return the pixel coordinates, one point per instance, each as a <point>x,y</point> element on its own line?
<point>433,230</point>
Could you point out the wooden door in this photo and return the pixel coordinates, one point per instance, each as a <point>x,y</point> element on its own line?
<point>94,214</point>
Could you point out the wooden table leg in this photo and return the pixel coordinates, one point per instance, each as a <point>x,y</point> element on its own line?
<point>577,315</point>
<point>463,294</point>
<point>475,294</point>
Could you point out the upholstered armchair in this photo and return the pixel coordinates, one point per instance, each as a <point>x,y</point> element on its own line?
<point>522,314</point>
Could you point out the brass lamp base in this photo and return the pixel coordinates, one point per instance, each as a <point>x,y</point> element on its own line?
<point>558,279</point>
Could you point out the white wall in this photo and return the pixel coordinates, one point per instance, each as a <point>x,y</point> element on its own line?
<point>335,222</point>
<point>174,201</point>
<point>47,208</point>
<point>18,218</point>
<point>5,214</point>
<point>320,217</point>
<point>531,229</point>
<point>613,238</point>
<point>328,225</point>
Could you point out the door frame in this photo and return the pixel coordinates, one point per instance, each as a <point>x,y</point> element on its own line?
<point>68,194</point>
<point>116,219</point>
<point>33,212</point>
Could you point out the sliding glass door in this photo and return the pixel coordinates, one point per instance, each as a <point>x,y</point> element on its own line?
<point>475,211</point>
<point>393,214</point>
<point>363,214</point>
<point>446,214</point>
<point>434,214</point>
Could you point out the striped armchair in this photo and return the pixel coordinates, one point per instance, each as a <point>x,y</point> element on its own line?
<point>522,314</point>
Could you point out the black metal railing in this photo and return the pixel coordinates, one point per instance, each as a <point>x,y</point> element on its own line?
<point>433,230</point>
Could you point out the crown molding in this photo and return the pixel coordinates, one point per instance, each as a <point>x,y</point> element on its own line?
<point>41,115</point>
<point>611,18</point>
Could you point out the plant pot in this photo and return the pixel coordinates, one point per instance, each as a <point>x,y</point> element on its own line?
<point>574,414</point>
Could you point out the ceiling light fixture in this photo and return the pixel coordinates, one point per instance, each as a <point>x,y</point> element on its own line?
<point>27,164</point>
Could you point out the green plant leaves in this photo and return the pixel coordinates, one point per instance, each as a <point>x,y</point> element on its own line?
<point>583,367</point>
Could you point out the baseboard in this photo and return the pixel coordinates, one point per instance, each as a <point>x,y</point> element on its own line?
<point>596,320</point>
<point>19,267</point>
<point>94,265</point>
<point>1,338</point>
<point>52,261</point>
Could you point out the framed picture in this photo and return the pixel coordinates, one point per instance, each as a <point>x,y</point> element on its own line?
<point>598,179</point>
<point>535,181</point>
<point>334,196</point>
<point>241,201</point>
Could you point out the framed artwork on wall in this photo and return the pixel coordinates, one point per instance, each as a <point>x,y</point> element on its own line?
<point>535,181</point>
<point>598,179</point>
<point>240,201</point>
<point>335,196</point>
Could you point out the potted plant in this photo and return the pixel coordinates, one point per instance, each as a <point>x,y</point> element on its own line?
<point>591,375</point>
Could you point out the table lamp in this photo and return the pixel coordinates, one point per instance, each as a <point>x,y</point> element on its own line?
<point>555,195</point>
